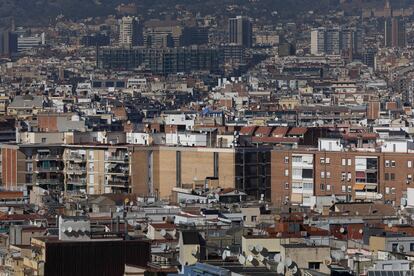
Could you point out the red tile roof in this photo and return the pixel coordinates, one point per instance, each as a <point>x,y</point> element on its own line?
<point>298,131</point>
<point>247,130</point>
<point>280,131</point>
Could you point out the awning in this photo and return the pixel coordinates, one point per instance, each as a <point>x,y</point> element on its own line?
<point>371,186</point>
<point>359,186</point>
<point>296,198</point>
<point>360,174</point>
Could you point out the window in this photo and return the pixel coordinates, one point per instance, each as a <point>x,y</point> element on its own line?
<point>409,163</point>
<point>392,176</point>
<point>343,176</point>
<point>322,174</point>
<point>328,174</point>
<point>307,186</point>
<point>286,172</point>
<point>314,265</point>
<point>387,176</point>
<point>349,189</point>
<point>286,160</point>
<point>297,159</point>
<point>322,160</point>
<point>297,172</point>
<point>409,177</point>
<point>286,186</point>
<point>393,190</point>
<point>349,162</point>
<point>244,218</point>
<point>387,190</point>
<point>327,160</point>
<point>393,163</point>
<point>343,188</point>
<point>43,140</point>
<point>322,187</point>
<point>328,187</point>
<point>411,246</point>
<point>254,218</point>
<point>343,162</point>
<point>349,177</point>
<point>387,163</point>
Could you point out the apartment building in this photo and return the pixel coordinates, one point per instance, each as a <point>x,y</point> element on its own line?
<point>157,170</point>
<point>304,175</point>
<point>28,165</point>
<point>96,169</point>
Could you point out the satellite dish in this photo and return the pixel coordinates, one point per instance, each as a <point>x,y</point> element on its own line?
<point>163,232</point>
<point>390,225</point>
<point>195,252</point>
<point>295,269</point>
<point>225,254</point>
<point>251,247</point>
<point>70,229</point>
<point>242,259</point>
<point>63,229</point>
<point>342,230</point>
<point>343,248</point>
<point>361,231</point>
<point>288,262</point>
<point>259,248</point>
<point>277,258</point>
<point>280,268</point>
<point>250,258</point>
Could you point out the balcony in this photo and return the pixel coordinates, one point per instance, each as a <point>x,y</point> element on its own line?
<point>121,169</point>
<point>47,169</point>
<point>49,181</point>
<point>117,158</point>
<point>76,182</point>
<point>362,195</point>
<point>77,170</point>
<point>117,183</point>
<point>39,157</point>
<point>79,158</point>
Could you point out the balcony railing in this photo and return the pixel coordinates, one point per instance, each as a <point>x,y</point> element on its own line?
<point>47,169</point>
<point>76,182</point>
<point>47,157</point>
<point>49,181</point>
<point>117,158</point>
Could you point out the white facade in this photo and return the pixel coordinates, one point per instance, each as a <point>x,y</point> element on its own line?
<point>186,139</point>
<point>325,144</point>
<point>137,138</point>
<point>397,146</point>
<point>180,119</point>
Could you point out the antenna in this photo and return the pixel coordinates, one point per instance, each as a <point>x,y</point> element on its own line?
<point>250,258</point>
<point>226,253</point>
<point>259,248</point>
